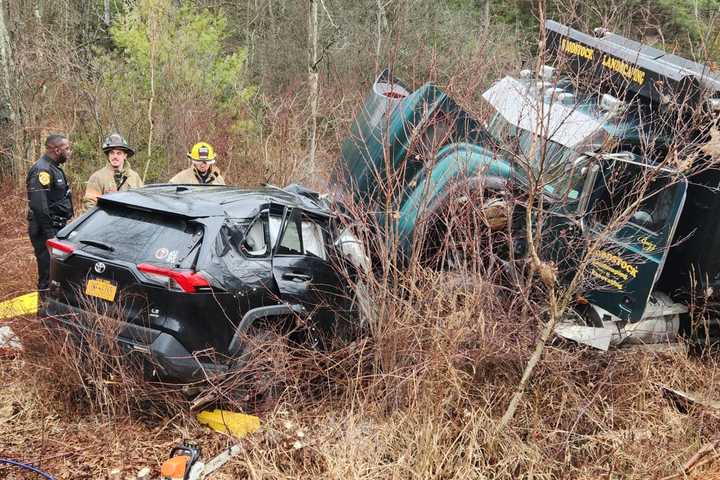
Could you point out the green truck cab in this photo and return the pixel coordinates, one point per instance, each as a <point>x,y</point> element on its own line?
<point>409,151</point>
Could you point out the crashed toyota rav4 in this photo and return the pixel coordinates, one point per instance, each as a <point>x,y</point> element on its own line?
<point>188,270</point>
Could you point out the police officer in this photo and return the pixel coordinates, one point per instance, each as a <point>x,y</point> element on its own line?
<point>116,176</point>
<point>50,201</point>
<point>203,170</point>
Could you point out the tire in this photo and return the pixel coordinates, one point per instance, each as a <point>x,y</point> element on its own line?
<point>465,232</point>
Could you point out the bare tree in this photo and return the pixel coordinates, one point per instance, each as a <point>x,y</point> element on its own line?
<point>313,81</point>
<point>152,33</point>
<point>7,112</point>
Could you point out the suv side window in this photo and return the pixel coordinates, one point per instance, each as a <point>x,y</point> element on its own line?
<point>291,243</point>
<point>261,235</point>
<point>302,236</point>
<point>275,225</point>
<point>254,243</point>
<point>313,240</point>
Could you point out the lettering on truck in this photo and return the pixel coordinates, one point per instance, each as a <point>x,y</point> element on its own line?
<point>612,270</point>
<point>625,69</point>
<point>576,48</point>
<point>609,62</point>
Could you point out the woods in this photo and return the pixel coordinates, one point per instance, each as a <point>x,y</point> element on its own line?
<point>273,84</point>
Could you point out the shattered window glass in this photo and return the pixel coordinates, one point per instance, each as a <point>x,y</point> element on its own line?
<point>254,244</point>
<point>290,243</point>
<point>312,236</point>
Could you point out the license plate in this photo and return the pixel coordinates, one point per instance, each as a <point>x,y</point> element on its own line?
<point>101,289</point>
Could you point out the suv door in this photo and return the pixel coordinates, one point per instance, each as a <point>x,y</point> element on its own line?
<point>303,269</point>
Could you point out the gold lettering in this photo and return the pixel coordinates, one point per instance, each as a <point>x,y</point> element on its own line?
<point>626,70</point>
<point>610,269</point>
<point>577,49</point>
<point>609,281</point>
<point>617,261</point>
<point>647,244</point>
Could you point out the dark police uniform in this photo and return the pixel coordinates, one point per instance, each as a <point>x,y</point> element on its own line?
<point>50,208</point>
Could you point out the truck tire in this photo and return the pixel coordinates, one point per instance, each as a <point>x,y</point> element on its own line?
<point>465,231</point>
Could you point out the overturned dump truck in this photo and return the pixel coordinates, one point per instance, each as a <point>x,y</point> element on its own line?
<point>615,133</point>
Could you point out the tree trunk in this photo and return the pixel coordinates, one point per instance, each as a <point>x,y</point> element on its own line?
<point>6,70</point>
<point>7,112</point>
<point>381,23</point>
<point>487,14</point>
<point>313,82</point>
<point>106,13</point>
<point>153,38</point>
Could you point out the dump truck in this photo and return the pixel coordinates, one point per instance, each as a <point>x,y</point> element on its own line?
<point>601,117</point>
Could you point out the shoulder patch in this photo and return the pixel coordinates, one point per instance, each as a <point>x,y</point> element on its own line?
<point>44,178</point>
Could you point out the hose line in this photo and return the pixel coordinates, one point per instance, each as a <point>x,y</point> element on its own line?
<point>26,466</point>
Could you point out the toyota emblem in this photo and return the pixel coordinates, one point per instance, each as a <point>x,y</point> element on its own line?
<point>99,267</point>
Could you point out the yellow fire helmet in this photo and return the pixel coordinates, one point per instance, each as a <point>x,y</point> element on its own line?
<point>202,152</point>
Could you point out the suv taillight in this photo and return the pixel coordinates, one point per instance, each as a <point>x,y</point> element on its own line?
<point>180,280</point>
<point>59,249</point>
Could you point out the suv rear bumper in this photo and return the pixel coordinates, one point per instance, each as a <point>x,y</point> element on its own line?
<point>162,353</point>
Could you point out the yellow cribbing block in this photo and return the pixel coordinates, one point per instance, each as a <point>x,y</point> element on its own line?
<point>238,425</point>
<point>22,305</point>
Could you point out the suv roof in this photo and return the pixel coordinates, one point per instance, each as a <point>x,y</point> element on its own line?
<point>195,201</point>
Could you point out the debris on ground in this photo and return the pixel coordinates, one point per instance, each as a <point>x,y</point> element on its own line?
<point>684,401</point>
<point>22,305</point>
<point>15,307</point>
<point>239,425</point>
<point>8,339</point>
<point>596,337</point>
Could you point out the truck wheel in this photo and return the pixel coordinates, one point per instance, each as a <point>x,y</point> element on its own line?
<point>465,232</point>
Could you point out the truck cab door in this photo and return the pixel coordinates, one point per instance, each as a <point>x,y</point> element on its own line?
<point>624,271</point>
<point>303,270</point>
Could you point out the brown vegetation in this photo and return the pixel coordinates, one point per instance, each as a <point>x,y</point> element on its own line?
<point>421,398</point>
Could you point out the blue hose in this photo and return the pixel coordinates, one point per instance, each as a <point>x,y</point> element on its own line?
<point>26,466</point>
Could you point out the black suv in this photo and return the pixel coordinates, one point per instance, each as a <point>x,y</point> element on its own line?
<point>188,269</point>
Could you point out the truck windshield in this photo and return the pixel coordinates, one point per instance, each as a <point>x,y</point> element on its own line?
<point>550,160</point>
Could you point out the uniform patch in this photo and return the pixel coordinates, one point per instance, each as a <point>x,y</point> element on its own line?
<point>44,179</point>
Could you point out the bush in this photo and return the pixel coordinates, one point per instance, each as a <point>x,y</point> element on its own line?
<point>169,64</point>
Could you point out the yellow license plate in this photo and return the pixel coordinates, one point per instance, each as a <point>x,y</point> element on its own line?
<point>101,289</point>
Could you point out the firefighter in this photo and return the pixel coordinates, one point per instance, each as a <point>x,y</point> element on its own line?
<point>116,176</point>
<point>203,170</point>
<point>50,202</point>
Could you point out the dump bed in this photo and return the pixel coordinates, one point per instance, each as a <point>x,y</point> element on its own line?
<point>630,66</point>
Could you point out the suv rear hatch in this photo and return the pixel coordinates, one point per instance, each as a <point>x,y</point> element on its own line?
<point>127,263</point>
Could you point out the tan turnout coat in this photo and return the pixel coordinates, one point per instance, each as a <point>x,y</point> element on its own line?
<point>191,176</point>
<point>103,181</point>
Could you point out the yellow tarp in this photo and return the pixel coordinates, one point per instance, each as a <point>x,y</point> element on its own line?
<point>22,305</point>
<point>238,425</point>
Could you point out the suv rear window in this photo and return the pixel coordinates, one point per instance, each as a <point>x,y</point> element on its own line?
<point>140,237</point>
